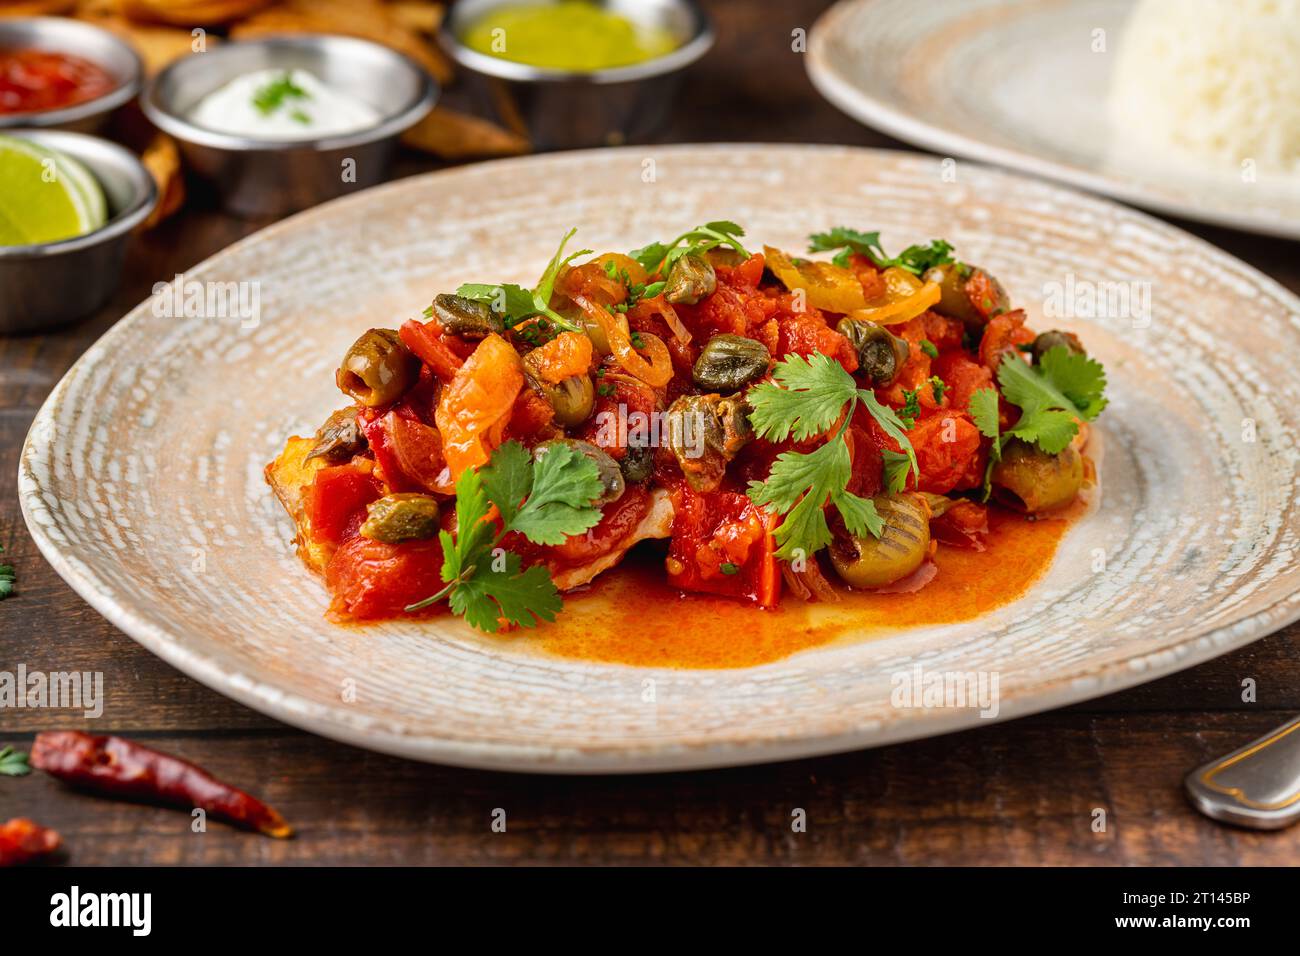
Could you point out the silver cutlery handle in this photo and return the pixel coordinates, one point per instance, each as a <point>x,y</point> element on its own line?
<point>1256,786</point>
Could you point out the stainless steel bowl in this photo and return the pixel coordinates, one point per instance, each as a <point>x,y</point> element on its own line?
<point>50,284</point>
<point>264,178</point>
<point>61,35</point>
<point>564,110</point>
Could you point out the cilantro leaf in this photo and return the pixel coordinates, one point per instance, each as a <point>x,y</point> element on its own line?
<point>983,407</point>
<point>515,304</point>
<point>916,259</point>
<point>7,578</point>
<point>815,391</point>
<point>888,420</point>
<point>658,257</point>
<point>848,241</point>
<point>545,499</point>
<point>897,468</point>
<point>565,483</point>
<point>1065,386</point>
<point>512,302</point>
<point>13,763</point>
<point>521,597</point>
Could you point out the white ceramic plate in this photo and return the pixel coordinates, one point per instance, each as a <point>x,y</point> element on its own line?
<point>141,480</point>
<point>1019,83</point>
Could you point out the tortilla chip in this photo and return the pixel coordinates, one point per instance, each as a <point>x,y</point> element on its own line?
<point>416,15</point>
<point>191,13</point>
<point>35,8</point>
<point>452,135</point>
<point>366,19</point>
<point>156,45</point>
<point>163,160</point>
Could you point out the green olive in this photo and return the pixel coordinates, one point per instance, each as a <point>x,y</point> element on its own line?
<point>1046,341</point>
<point>465,317</point>
<point>377,369</point>
<point>728,363</point>
<point>407,516</point>
<point>1032,481</point>
<point>864,561</point>
<point>690,279</point>
<point>573,399</point>
<point>339,438</point>
<point>954,280</point>
<point>638,464</point>
<point>705,432</point>
<point>611,476</point>
<point>881,353</point>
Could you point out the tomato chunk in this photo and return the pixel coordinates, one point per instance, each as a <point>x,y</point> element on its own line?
<point>371,579</point>
<point>336,501</point>
<point>722,544</point>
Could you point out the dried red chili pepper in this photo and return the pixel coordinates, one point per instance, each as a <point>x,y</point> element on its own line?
<point>120,768</point>
<point>22,840</point>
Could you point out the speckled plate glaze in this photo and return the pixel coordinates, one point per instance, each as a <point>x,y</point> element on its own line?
<point>1019,83</point>
<point>142,484</point>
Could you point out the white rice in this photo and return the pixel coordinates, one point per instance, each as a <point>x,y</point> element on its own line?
<point>1213,80</point>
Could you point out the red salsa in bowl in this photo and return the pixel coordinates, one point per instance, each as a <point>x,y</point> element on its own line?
<point>34,80</point>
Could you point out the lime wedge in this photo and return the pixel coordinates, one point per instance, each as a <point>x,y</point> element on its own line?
<point>45,196</point>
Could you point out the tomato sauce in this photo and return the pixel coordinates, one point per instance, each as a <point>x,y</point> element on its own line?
<point>33,80</point>
<point>631,615</point>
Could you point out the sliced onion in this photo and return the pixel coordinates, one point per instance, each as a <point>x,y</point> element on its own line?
<point>656,372</point>
<point>663,308</point>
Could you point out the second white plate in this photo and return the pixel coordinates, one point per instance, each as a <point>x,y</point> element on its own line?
<point>1021,83</point>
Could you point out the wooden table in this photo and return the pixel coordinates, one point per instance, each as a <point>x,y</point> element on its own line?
<point>1022,792</point>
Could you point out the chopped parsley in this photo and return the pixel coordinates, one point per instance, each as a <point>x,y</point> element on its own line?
<point>915,259</point>
<point>271,96</point>
<point>805,397</point>
<point>938,386</point>
<point>928,348</point>
<point>911,409</point>
<point>546,500</point>
<point>728,568</point>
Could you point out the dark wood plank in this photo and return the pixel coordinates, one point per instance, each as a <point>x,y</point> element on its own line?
<point>974,798</point>
<point>1022,792</point>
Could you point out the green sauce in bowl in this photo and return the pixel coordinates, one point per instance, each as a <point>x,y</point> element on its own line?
<point>571,35</point>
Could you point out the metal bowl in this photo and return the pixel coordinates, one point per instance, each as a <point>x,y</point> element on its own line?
<point>263,178</point>
<point>566,110</point>
<point>53,283</point>
<point>61,35</point>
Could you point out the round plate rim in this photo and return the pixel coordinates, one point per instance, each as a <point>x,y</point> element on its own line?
<point>652,757</point>
<point>876,113</point>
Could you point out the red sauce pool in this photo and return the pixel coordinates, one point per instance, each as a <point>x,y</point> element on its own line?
<point>631,616</point>
<point>36,80</point>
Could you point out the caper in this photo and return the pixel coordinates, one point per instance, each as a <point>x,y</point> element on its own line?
<point>638,464</point>
<point>573,399</point>
<point>1030,480</point>
<point>377,369</point>
<point>406,516</point>
<point>881,353</point>
<point>1046,341</point>
<point>705,432</point>
<point>611,477</point>
<point>958,282</point>
<point>865,561</point>
<point>690,279</point>
<point>339,438</point>
<point>728,363</point>
<point>465,317</point>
